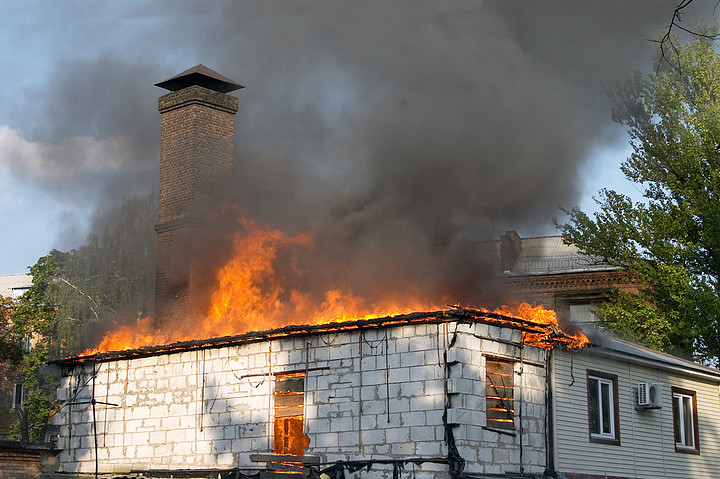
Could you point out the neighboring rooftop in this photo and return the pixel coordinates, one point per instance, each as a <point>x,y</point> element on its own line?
<point>603,343</point>
<point>202,76</point>
<point>14,285</point>
<point>544,255</point>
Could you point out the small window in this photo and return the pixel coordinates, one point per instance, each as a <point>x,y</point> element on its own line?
<point>603,418</point>
<point>18,395</point>
<point>289,432</point>
<point>499,393</point>
<point>685,422</point>
<point>25,344</point>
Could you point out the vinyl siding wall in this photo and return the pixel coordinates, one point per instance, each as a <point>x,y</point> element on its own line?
<point>647,444</point>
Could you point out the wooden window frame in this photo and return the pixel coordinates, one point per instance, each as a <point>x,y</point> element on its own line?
<point>489,423</point>
<point>695,448</point>
<point>289,414</point>
<point>614,439</point>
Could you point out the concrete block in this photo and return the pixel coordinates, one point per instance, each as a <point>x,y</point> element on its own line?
<point>429,449</point>
<point>423,434</point>
<point>373,436</point>
<point>399,375</point>
<point>413,419</point>
<point>399,404</point>
<point>463,416</point>
<point>397,434</point>
<point>328,439</point>
<point>460,385</point>
<point>422,343</point>
<point>427,402</point>
<point>402,449</point>
<point>158,437</point>
<point>458,355</point>
<point>342,424</point>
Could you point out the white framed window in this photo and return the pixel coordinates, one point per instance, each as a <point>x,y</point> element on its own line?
<point>603,417</point>
<point>685,422</point>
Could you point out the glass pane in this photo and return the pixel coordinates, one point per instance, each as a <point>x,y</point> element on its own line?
<point>676,420</point>
<point>606,404</point>
<point>593,407</point>
<point>688,421</point>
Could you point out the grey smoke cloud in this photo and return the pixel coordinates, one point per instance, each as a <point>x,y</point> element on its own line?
<point>404,131</point>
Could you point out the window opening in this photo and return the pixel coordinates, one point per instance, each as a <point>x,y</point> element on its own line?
<point>289,432</point>
<point>18,395</point>
<point>603,419</point>
<point>685,420</point>
<point>499,394</point>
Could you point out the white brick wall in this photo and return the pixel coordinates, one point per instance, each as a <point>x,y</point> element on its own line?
<point>212,408</point>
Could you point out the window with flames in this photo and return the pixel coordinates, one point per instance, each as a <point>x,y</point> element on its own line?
<point>500,393</point>
<point>289,433</point>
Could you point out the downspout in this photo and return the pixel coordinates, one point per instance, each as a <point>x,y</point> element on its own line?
<point>549,418</point>
<point>520,407</point>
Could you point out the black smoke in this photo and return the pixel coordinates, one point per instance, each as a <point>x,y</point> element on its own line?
<point>402,132</point>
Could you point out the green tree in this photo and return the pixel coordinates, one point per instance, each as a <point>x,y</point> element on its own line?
<point>670,239</point>
<point>79,292</point>
<point>10,349</point>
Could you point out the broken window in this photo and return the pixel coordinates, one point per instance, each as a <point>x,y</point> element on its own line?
<point>290,438</point>
<point>499,393</point>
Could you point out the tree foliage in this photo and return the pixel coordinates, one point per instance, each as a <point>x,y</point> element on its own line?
<point>9,346</point>
<point>76,293</point>
<point>670,239</point>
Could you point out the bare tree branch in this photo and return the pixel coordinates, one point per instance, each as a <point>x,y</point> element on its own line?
<point>666,41</point>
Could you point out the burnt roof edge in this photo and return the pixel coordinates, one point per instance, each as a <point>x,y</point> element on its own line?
<point>455,314</point>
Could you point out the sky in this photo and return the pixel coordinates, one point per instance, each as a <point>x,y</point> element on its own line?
<point>389,123</point>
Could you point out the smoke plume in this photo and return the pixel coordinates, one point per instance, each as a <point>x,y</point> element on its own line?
<point>400,132</point>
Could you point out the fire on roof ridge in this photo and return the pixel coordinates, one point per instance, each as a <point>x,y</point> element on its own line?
<point>551,333</point>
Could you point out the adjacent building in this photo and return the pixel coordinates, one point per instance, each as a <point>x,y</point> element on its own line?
<point>12,391</point>
<point>621,410</point>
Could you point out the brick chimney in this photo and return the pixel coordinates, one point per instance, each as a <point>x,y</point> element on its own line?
<point>196,162</point>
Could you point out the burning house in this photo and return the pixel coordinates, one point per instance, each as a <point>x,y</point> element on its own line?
<point>450,392</point>
<point>433,393</point>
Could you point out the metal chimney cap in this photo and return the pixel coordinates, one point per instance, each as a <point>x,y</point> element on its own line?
<point>202,76</point>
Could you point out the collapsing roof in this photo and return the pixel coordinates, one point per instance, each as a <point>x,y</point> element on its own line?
<point>537,334</point>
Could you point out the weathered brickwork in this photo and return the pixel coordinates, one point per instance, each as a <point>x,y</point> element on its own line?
<point>196,162</point>
<point>25,460</point>
<point>369,394</point>
<point>20,465</point>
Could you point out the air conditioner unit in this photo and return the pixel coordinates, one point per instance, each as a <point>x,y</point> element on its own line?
<point>649,395</point>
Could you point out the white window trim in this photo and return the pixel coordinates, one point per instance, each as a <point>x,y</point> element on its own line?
<point>612,435</point>
<point>681,418</point>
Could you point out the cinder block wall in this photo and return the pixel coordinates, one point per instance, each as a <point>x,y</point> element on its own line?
<point>196,163</point>
<point>372,394</point>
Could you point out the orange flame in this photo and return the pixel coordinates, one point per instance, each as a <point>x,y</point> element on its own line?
<point>262,287</point>
<point>541,316</point>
